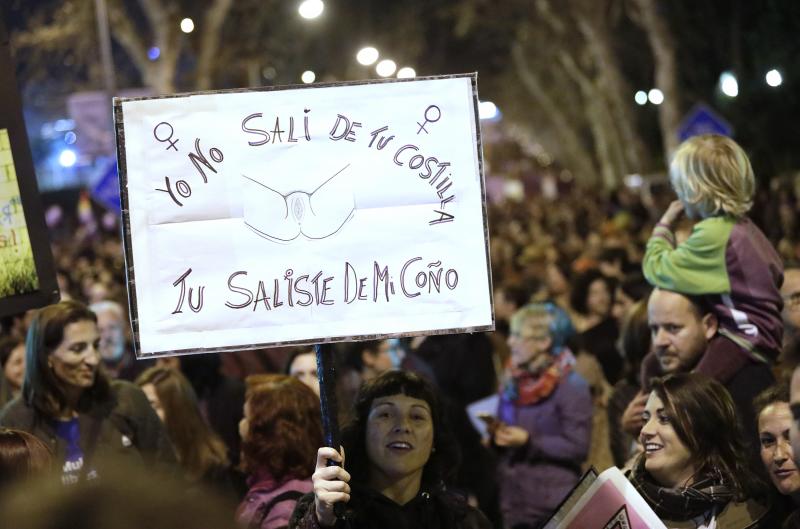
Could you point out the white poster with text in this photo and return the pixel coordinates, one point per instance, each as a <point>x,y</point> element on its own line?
<point>304,214</point>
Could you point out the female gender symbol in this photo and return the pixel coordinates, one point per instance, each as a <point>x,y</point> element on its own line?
<point>429,119</point>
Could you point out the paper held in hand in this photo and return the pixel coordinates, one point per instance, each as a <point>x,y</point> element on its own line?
<point>274,216</point>
<point>607,501</point>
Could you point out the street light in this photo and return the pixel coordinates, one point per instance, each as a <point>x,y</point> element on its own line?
<point>774,78</point>
<point>308,77</point>
<point>67,158</point>
<point>728,84</point>
<point>311,9</point>
<point>655,96</point>
<point>640,97</point>
<point>487,110</point>
<point>367,56</point>
<point>385,68</point>
<point>406,73</point>
<point>187,25</point>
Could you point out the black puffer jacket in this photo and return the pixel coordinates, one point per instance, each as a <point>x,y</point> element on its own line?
<point>369,509</point>
<point>125,428</point>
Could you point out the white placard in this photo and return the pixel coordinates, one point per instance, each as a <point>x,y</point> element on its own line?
<point>304,214</point>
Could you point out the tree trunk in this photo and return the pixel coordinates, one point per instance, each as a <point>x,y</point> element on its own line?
<point>662,44</point>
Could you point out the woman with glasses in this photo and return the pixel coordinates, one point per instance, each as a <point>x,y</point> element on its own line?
<point>544,421</point>
<point>68,402</point>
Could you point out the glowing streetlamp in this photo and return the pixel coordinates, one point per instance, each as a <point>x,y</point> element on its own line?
<point>311,9</point>
<point>367,56</point>
<point>187,25</point>
<point>386,67</point>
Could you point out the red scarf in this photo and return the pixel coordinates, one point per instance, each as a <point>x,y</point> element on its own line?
<point>525,387</point>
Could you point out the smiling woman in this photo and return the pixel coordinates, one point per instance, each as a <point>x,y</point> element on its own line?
<point>398,453</point>
<point>694,471</point>
<point>68,402</point>
<point>774,423</point>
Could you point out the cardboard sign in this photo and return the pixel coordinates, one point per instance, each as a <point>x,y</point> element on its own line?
<point>27,273</point>
<point>607,501</point>
<point>304,214</point>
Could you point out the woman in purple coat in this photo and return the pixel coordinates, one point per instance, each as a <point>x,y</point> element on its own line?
<point>544,419</point>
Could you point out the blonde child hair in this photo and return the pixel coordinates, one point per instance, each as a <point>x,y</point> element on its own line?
<point>711,174</point>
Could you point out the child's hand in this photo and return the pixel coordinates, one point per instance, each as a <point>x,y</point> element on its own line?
<point>673,212</point>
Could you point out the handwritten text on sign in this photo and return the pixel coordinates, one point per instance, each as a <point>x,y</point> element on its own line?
<point>302,215</point>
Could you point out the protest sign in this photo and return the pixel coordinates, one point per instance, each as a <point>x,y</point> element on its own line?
<point>607,501</point>
<point>304,214</point>
<point>27,274</point>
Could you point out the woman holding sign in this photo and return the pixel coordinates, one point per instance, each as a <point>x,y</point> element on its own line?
<point>397,453</point>
<point>693,472</point>
<point>68,402</point>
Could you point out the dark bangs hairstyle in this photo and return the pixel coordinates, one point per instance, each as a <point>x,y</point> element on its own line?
<point>704,417</point>
<point>285,427</point>
<point>41,389</point>
<point>445,456</point>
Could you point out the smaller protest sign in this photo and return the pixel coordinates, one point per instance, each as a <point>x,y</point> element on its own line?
<point>609,502</point>
<point>27,274</point>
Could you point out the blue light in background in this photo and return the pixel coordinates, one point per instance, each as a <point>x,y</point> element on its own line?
<point>153,53</point>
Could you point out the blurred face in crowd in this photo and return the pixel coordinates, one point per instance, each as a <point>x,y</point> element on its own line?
<point>14,370</point>
<point>680,334</point>
<point>794,406</point>
<point>556,282</point>
<point>529,342</point>
<point>667,458</point>
<point>74,362</point>
<point>598,299</point>
<point>790,291</point>
<point>112,335</point>
<point>152,396</point>
<point>304,368</point>
<point>399,438</point>
<point>377,360</point>
<point>622,304</point>
<point>774,424</point>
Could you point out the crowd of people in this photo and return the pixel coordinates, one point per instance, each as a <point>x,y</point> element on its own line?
<point>659,337</point>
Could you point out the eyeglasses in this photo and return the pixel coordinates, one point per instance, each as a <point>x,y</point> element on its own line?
<point>792,301</point>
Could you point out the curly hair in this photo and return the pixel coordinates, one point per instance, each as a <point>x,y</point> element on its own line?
<point>712,174</point>
<point>580,289</point>
<point>445,456</point>
<point>285,427</point>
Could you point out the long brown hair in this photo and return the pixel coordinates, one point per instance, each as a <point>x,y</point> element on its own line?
<point>285,427</point>
<point>704,418</point>
<point>199,449</point>
<point>41,388</point>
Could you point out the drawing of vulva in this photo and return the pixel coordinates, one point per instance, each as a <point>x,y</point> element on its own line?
<point>283,217</point>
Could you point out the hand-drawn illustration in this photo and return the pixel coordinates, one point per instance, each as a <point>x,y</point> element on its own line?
<point>283,217</point>
<point>434,111</point>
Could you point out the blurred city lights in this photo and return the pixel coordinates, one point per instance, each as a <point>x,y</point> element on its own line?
<point>406,73</point>
<point>640,97</point>
<point>728,84</point>
<point>367,56</point>
<point>187,25</point>
<point>67,158</point>
<point>70,138</point>
<point>774,78</point>
<point>63,125</point>
<point>308,77</point>
<point>487,110</point>
<point>153,53</point>
<point>311,8</point>
<point>386,67</point>
<point>655,96</point>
